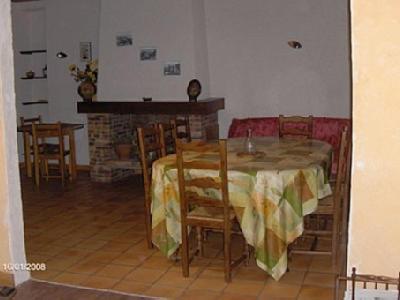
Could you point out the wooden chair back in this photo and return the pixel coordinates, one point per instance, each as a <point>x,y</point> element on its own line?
<point>28,121</point>
<point>204,211</point>
<point>150,149</point>
<point>186,184</point>
<point>42,131</point>
<point>167,138</point>
<point>331,207</point>
<point>339,191</point>
<point>181,128</point>
<point>367,281</point>
<point>296,126</point>
<point>42,152</point>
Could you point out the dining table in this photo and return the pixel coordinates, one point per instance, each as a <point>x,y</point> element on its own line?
<point>270,190</point>
<point>68,129</point>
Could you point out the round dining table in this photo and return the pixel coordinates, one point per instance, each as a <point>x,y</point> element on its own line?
<point>271,190</point>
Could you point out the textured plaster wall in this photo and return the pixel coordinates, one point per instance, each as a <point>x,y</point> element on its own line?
<point>374,242</point>
<point>252,65</point>
<point>166,25</point>
<point>29,32</point>
<point>67,24</point>
<point>11,222</point>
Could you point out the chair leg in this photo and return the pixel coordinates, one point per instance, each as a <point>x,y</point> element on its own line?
<point>62,171</point>
<point>147,220</point>
<point>335,235</point>
<point>37,172</point>
<point>70,168</point>
<point>46,169</point>
<point>227,255</point>
<point>199,231</point>
<point>185,251</point>
<point>246,252</point>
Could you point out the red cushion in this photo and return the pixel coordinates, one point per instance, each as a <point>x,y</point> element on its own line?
<point>260,127</point>
<point>324,129</point>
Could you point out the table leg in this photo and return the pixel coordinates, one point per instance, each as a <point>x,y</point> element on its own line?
<point>72,154</point>
<point>27,154</point>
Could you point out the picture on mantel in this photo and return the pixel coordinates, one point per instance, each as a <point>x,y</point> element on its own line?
<point>148,53</point>
<point>124,39</point>
<point>172,68</point>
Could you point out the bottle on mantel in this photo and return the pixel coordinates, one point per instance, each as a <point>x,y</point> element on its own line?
<point>249,144</point>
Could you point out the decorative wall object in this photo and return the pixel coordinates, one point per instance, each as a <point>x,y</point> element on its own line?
<point>148,54</point>
<point>124,39</point>
<point>295,44</point>
<point>85,51</point>
<point>193,90</point>
<point>172,68</point>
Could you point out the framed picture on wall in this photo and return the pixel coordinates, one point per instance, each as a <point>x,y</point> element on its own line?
<point>148,53</point>
<point>85,51</point>
<point>124,39</point>
<point>172,68</point>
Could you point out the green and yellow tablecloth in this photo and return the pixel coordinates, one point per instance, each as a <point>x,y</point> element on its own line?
<point>270,194</point>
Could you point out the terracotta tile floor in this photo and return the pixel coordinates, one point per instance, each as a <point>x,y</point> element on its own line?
<point>92,235</point>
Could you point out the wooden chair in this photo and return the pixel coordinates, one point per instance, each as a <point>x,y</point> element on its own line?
<point>44,152</point>
<point>28,148</point>
<point>296,126</point>
<point>204,211</point>
<point>29,121</point>
<point>150,149</point>
<point>331,206</point>
<point>167,138</point>
<point>181,128</point>
<point>366,282</point>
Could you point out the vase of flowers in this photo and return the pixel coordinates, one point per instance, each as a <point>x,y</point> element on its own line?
<point>88,79</point>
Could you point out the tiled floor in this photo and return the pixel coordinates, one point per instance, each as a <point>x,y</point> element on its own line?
<point>92,235</point>
<point>34,290</point>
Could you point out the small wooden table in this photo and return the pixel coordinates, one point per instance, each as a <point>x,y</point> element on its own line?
<point>67,129</point>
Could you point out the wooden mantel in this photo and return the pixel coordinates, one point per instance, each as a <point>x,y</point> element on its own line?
<point>201,107</point>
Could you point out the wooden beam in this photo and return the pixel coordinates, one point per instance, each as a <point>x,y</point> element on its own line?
<point>202,107</point>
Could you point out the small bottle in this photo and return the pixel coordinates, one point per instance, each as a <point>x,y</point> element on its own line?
<point>249,144</point>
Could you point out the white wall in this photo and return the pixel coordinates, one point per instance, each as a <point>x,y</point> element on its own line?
<point>238,50</point>
<point>68,23</point>
<point>58,26</point>
<point>166,25</point>
<point>252,66</point>
<point>29,33</point>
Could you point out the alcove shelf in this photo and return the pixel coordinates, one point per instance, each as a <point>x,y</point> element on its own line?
<point>30,52</point>
<point>35,102</point>
<point>36,77</point>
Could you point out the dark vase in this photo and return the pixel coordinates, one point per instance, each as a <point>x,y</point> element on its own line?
<point>87,89</point>
<point>193,90</point>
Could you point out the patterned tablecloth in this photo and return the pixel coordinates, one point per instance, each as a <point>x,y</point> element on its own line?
<point>270,193</point>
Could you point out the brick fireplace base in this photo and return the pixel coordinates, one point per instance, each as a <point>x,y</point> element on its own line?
<point>106,128</point>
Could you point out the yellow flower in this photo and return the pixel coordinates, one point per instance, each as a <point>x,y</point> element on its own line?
<point>72,67</point>
<point>93,65</point>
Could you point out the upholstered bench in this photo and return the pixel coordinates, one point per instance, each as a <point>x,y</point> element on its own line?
<point>324,129</point>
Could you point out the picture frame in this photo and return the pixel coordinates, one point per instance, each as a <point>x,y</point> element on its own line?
<point>148,53</point>
<point>124,39</point>
<point>172,68</point>
<point>85,51</point>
